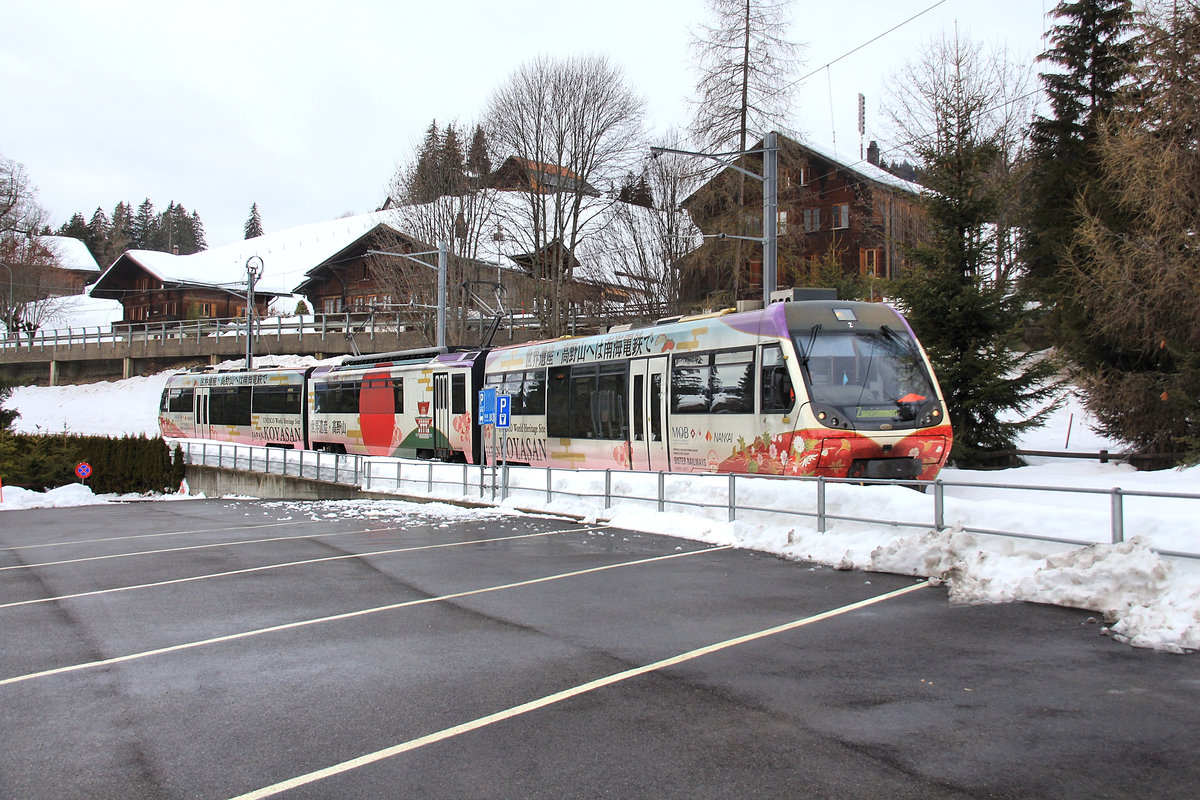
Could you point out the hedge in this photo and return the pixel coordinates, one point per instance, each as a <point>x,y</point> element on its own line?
<point>132,464</point>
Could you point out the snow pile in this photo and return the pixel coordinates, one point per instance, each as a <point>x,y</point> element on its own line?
<point>1147,599</point>
<point>74,494</point>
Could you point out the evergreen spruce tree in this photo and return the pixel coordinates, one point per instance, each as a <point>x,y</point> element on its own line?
<point>253,225</point>
<point>99,231</point>
<point>143,227</point>
<point>968,320</point>
<point>76,227</point>
<point>197,229</point>
<point>1090,58</point>
<point>451,177</point>
<point>423,185</point>
<point>478,161</point>
<point>1135,269</point>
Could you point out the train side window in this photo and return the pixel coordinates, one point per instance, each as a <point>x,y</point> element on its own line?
<point>398,392</point>
<point>732,382</point>
<point>535,392</point>
<point>689,381</point>
<point>608,403</point>
<point>458,394</point>
<point>558,404</point>
<point>776,393</point>
<point>583,424</point>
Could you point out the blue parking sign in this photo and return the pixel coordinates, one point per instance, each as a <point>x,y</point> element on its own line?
<point>503,404</point>
<point>487,406</point>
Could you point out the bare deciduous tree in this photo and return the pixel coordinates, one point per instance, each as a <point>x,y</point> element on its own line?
<point>745,66</point>
<point>28,297</point>
<point>641,247</point>
<point>957,92</point>
<point>576,125</point>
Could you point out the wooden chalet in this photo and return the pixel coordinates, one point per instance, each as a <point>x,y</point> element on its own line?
<point>523,175</point>
<point>151,287</point>
<point>855,214</point>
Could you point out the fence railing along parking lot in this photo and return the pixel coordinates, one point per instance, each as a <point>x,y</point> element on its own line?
<point>728,496</point>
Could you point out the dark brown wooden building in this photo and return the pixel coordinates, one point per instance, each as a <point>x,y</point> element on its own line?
<point>153,287</point>
<point>857,216</point>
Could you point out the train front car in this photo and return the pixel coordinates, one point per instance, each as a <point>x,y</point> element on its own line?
<point>871,406</point>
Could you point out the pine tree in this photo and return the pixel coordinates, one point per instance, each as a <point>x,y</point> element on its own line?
<point>423,185</point>
<point>1135,276</point>
<point>1090,56</point>
<point>451,178</point>
<point>964,315</point>
<point>143,227</point>
<point>76,228</point>
<point>478,161</point>
<point>253,225</point>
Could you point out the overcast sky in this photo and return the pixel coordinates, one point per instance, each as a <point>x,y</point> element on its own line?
<point>307,107</point>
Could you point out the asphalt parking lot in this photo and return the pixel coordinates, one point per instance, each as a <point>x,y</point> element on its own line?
<point>220,649</point>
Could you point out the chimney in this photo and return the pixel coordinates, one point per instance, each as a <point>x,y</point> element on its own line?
<point>873,153</point>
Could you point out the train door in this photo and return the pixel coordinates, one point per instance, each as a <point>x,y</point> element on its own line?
<point>647,412</point>
<point>441,414</point>
<point>200,413</point>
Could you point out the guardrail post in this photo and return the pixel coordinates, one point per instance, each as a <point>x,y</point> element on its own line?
<point>357,468</point>
<point>1118,516</point>
<point>732,496</point>
<point>464,492</point>
<point>504,485</point>
<point>549,487</point>
<point>821,522</point>
<point>662,485</point>
<point>337,466</point>
<point>939,505</point>
<point>607,489</point>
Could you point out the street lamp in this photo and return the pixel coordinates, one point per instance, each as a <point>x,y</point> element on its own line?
<point>254,269</point>
<point>770,182</point>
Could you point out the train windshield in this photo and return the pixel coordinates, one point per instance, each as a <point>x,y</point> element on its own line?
<point>867,379</point>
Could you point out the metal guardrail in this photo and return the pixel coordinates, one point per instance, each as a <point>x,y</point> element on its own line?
<point>532,485</point>
<point>365,323</point>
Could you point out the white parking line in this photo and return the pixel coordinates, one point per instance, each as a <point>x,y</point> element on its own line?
<point>234,543</point>
<point>156,535</point>
<point>558,697</point>
<point>266,567</point>
<point>347,615</point>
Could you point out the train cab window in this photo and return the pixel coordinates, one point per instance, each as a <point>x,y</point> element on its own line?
<point>178,400</point>
<point>776,393</point>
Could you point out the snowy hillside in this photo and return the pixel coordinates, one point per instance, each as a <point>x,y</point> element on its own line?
<point>1146,599</point>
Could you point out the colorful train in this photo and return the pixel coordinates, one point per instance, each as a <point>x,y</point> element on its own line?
<point>832,388</point>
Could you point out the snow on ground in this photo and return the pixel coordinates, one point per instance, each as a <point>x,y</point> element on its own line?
<point>1147,599</point>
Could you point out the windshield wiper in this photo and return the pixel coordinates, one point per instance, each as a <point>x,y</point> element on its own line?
<point>812,341</point>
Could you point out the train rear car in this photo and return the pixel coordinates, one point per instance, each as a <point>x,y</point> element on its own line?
<point>263,407</point>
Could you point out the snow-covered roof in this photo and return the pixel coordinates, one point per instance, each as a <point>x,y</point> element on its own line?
<point>866,169</point>
<point>71,253</point>
<point>286,255</point>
